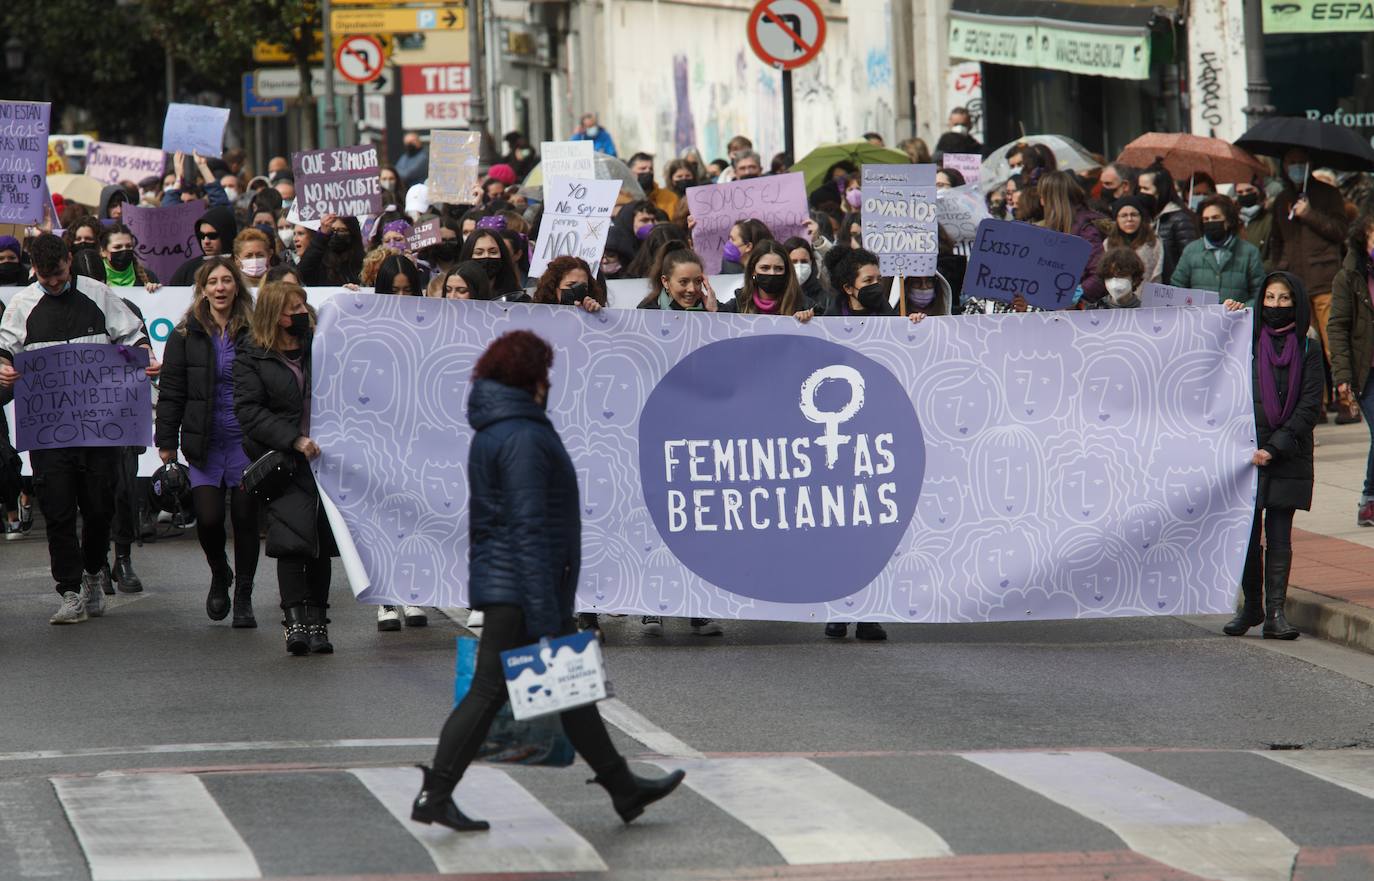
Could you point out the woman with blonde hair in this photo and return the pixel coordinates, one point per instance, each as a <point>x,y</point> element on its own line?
<point>253,253</point>
<point>1066,210</point>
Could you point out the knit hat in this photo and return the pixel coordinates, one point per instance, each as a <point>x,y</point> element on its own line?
<point>502,172</point>
<point>10,243</point>
<point>1133,202</point>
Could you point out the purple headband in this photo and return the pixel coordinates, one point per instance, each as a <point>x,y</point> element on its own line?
<point>493,221</point>
<point>399,226</point>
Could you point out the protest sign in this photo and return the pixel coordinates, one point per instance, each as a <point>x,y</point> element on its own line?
<point>423,235</point>
<point>57,157</point>
<point>165,238</point>
<point>452,165</point>
<point>959,210</point>
<point>1117,483</point>
<point>1011,258</point>
<point>194,128</point>
<point>899,218</point>
<point>567,159</point>
<point>577,219</point>
<point>970,165</point>
<point>341,180</point>
<point>23,160</point>
<point>115,163</point>
<point>83,395</point>
<point>1154,294</point>
<point>778,200</point>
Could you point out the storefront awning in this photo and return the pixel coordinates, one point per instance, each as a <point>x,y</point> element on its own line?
<point>1100,39</point>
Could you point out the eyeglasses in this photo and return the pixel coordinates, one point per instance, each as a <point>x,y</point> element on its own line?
<point>208,236</point>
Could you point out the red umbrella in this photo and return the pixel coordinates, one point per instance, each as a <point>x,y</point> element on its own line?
<point>1186,155</point>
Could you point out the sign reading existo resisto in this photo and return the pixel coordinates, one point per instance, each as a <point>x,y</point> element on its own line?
<point>1097,50</point>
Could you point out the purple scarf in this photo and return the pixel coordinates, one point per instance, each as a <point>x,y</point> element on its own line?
<point>1276,413</point>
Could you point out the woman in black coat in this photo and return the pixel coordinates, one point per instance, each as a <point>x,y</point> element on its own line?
<point>1288,380</point>
<point>1175,225</point>
<point>334,254</point>
<point>195,412</point>
<point>271,386</point>
<point>524,556</point>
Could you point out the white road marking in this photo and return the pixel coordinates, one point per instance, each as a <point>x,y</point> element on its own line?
<point>644,731</point>
<point>150,827</point>
<point>232,746</point>
<point>1351,769</point>
<point>525,836</point>
<point>808,813</point>
<point>1156,817</point>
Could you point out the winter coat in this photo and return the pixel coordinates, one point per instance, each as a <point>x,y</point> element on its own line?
<point>222,219</point>
<point>108,194</point>
<point>1310,246</point>
<point>269,404</point>
<point>1350,329</point>
<point>1286,482</point>
<point>1233,269</point>
<point>1258,231</point>
<point>601,141</point>
<point>1152,255</point>
<point>186,393</point>
<point>525,527</point>
<point>1085,226</point>
<point>1176,228</point>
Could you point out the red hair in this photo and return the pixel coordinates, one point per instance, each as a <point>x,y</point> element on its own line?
<point>519,358</point>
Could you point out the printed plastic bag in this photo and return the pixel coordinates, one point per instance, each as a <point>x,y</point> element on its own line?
<point>535,742</point>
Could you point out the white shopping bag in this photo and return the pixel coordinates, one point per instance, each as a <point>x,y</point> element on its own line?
<point>554,675</point>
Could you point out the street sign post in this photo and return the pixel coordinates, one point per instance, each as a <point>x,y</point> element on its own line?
<point>359,59</point>
<point>393,20</point>
<point>255,105</point>
<point>786,34</point>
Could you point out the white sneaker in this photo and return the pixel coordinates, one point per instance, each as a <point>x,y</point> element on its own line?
<point>13,532</point>
<point>415,616</point>
<point>476,619</point>
<point>91,595</point>
<point>72,611</point>
<point>388,618</point>
<point>653,625</point>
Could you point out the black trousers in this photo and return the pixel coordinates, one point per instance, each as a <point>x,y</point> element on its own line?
<point>69,481</point>
<point>467,725</point>
<point>303,581</point>
<point>1277,525</point>
<point>128,499</point>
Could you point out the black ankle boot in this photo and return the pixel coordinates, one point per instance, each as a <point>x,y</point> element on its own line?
<point>217,601</point>
<point>243,605</point>
<point>1276,566</point>
<point>433,807</point>
<point>297,631</point>
<point>123,575</point>
<point>630,795</point>
<point>1252,612</point>
<point>319,631</point>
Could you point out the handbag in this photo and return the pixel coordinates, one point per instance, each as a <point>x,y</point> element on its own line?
<point>1348,409</point>
<point>269,476</point>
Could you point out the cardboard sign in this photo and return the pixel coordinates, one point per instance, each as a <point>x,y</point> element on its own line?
<point>778,200</point>
<point>165,238</point>
<point>342,181</point>
<point>194,128</point>
<point>115,163</point>
<point>899,222</point>
<point>567,159</point>
<point>1011,258</point>
<point>83,395</point>
<point>970,165</point>
<point>554,675</point>
<point>959,210</point>
<point>23,160</point>
<point>452,165</point>
<point>577,219</point>
<point>57,158</point>
<point>424,234</point>
<point>1154,295</point>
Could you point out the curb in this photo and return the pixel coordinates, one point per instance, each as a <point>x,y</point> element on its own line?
<point>1331,619</point>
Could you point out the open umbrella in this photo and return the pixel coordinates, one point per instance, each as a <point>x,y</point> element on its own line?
<point>1068,154</point>
<point>1186,155</point>
<point>604,167</point>
<point>815,164</point>
<point>76,188</point>
<point>1331,145</point>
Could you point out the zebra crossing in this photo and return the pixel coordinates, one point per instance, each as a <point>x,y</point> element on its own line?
<point>1157,808</point>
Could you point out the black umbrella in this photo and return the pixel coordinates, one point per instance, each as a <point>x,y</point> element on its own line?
<point>1334,146</point>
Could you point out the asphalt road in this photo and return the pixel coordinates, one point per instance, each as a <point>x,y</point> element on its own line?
<point>154,743</point>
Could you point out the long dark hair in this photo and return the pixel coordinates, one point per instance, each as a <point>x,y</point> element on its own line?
<point>790,302</point>
<point>664,264</point>
<point>662,234</point>
<point>507,281</point>
<point>397,265</point>
<point>479,286</point>
<point>346,267</point>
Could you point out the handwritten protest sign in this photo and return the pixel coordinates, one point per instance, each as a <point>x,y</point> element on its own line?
<point>452,165</point>
<point>577,219</point>
<point>424,234</point>
<point>165,238</point>
<point>970,165</point>
<point>1154,294</point>
<point>778,200</point>
<point>899,218</point>
<point>194,128</point>
<point>342,180</point>
<point>567,159</point>
<point>82,395</point>
<point>959,210</point>
<point>57,157</point>
<point>1011,258</point>
<point>23,160</point>
<point>114,163</point>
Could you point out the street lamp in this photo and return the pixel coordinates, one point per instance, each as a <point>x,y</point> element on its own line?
<point>14,54</point>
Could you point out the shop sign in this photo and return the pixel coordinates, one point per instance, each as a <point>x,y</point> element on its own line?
<point>995,40</point>
<point>1041,43</point>
<point>1317,16</point>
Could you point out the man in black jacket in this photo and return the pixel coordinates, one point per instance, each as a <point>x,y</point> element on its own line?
<point>58,309</point>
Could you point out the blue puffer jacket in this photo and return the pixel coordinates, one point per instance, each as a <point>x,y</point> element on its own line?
<point>525,529</point>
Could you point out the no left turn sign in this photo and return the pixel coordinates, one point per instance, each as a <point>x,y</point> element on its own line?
<point>786,33</point>
<point>359,58</point>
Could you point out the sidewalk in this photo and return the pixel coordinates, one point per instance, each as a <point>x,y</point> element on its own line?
<point>1332,593</point>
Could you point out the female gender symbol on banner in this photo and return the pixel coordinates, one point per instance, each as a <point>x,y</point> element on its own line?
<point>786,34</point>
<point>832,440</point>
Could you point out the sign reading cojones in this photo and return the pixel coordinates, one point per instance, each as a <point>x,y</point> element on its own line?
<point>82,395</point>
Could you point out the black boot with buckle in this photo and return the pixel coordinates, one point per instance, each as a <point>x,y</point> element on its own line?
<point>319,630</point>
<point>297,631</point>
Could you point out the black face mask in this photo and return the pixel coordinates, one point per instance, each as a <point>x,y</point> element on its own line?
<point>13,274</point>
<point>491,266</point>
<point>680,186</point>
<point>1151,203</point>
<point>411,149</point>
<point>872,297</point>
<point>300,324</point>
<point>573,295</point>
<point>122,260</point>
<point>84,246</point>
<point>446,252</point>
<point>646,181</point>
<point>771,284</point>
<point>1215,231</point>
<point>340,242</point>
<point>1278,316</point>
<point>1248,200</point>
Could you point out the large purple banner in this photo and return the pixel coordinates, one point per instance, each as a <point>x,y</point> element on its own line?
<point>963,469</point>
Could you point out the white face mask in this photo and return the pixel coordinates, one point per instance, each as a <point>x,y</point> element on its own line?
<point>254,267</point>
<point>803,271</point>
<point>231,193</point>
<point>287,236</point>
<point>593,131</point>
<point>1118,288</point>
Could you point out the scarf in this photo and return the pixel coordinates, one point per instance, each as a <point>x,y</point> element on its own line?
<point>1277,410</point>
<point>667,302</point>
<point>116,279</point>
<point>766,307</point>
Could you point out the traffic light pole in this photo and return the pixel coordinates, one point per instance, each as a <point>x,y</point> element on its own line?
<point>331,114</point>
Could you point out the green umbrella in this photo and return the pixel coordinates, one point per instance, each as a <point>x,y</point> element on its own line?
<point>815,164</point>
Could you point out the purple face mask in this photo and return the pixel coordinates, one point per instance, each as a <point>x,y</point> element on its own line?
<point>854,198</point>
<point>642,232</point>
<point>731,252</point>
<point>921,297</point>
